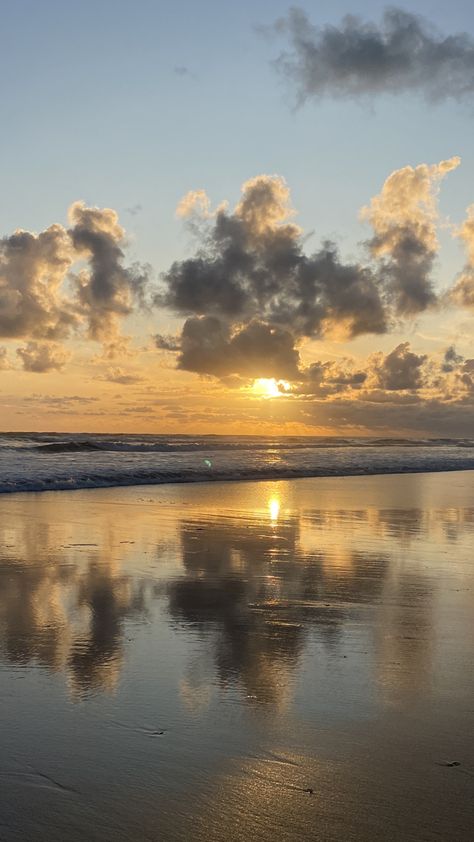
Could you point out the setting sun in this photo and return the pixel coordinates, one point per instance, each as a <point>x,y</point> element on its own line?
<point>268,387</point>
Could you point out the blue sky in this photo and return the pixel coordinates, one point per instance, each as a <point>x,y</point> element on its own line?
<point>93,109</point>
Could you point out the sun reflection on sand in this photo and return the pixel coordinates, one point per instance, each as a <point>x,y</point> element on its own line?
<point>274,508</point>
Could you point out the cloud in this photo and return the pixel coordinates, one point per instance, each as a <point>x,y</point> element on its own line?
<point>250,264</point>
<point>134,209</point>
<point>41,357</point>
<point>255,350</point>
<point>38,302</point>
<point>33,268</point>
<point>167,343</point>
<point>119,375</point>
<point>182,70</point>
<point>251,292</point>
<point>400,414</point>
<point>399,370</point>
<point>4,361</point>
<point>451,359</point>
<point>107,290</point>
<point>195,201</point>
<point>359,60</point>
<point>403,217</point>
<point>462,293</point>
<point>330,378</point>
<point>398,393</point>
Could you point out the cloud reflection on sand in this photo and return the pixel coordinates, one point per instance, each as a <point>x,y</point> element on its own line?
<point>259,586</point>
<point>63,607</point>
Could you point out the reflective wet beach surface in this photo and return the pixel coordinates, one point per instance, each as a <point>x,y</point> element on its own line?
<point>239,661</point>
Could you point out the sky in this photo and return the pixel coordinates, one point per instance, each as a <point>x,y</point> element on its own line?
<point>237,218</point>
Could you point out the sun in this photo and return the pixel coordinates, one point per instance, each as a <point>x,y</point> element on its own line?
<point>268,387</point>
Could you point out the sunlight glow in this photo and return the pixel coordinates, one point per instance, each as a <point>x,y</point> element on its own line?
<point>274,508</point>
<point>268,387</point>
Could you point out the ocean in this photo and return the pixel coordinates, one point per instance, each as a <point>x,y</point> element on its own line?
<point>58,461</point>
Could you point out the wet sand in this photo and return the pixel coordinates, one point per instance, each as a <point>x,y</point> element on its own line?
<point>289,660</point>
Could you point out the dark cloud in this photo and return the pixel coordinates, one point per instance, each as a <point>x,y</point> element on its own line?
<point>360,60</point>
<point>41,357</point>
<point>250,264</point>
<point>108,290</point>
<point>255,350</point>
<point>330,378</point>
<point>167,343</point>
<point>407,273</point>
<point>451,359</point>
<point>401,369</point>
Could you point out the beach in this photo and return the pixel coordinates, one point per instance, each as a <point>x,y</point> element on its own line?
<point>285,659</point>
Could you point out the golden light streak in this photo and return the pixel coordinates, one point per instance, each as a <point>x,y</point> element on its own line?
<point>274,508</point>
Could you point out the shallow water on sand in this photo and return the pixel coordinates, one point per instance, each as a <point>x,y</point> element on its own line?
<point>239,661</point>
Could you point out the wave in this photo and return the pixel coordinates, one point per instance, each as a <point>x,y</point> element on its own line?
<point>169,476</point>
<point>182,445</point>
<point>67,447</point>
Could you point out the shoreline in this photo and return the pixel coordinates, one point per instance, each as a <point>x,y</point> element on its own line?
<point>280,477</point>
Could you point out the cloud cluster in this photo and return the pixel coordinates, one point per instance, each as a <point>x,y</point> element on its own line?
<point>42,299</point>
<point>251,293</point>
<point>360,60</point>
<point>443,377</point>
<point>251,285</point>
<point>250,264</point>
<point>398,371</point>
